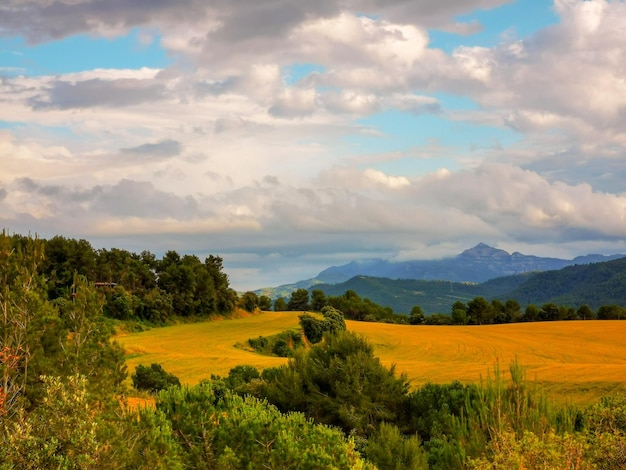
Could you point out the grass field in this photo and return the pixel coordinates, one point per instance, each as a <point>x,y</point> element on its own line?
<point>576,361</point>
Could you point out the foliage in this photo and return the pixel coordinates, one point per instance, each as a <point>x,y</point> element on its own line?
<point>265,303</point>
<point>356,308</point>
<point>153,378</point>
<point>338,382</point>
<point>315,328</point>
<point>282,344</point>
<point>280,305</point>
<point>299,300</point>
<point>388,449</point>
<point>318,300</point>
<point>605,424</point>
<point>249,301</point>
<point>219,429</point>
<point>241,375</point>
<point>508,451</point>
<point>59,434</point>
<point>312,327</point>
<point>24,315</point>
<point>431,410</point>
<point>416,317</point>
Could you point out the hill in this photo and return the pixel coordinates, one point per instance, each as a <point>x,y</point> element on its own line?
<point>475,265</point>
<point>594,284</point>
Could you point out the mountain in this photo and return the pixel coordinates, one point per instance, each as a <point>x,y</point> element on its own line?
<point>475,265</point>
<point>596,284</point>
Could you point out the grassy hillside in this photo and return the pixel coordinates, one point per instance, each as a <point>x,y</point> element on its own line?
<point>575,360</point>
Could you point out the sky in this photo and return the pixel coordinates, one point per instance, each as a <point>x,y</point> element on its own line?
<point>289,136</point>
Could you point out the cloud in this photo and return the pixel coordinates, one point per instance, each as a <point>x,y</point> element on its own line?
<point>567,76</point>
<point>220,146</point>
<point>164,149</point>
<point>233,22</point>
<point>98,93</point>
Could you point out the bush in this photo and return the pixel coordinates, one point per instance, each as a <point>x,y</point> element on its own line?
<point>338,382</point>
<point>388,449</point>
<point>312,327</point>
<point>219,429</point>
<point>153,378</point>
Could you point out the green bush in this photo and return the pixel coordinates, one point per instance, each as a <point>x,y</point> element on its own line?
<point>153,378</point>
<point>219,429</point>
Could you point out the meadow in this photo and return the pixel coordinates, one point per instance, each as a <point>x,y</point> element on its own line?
<point>576,361</point>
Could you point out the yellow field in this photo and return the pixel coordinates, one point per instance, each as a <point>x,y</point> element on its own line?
<point>576,360</point>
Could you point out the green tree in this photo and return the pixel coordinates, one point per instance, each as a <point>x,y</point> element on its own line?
<point>339,382</point>
<point>479,311</point>
<point>153,378</point>
<point>512,311</point>
<point>155,305</point>
<point>65,257</point>
<point>531,313</point>
<point>87,346</point>
<point>62,433</point>
<point>388,449</point>
<point>549,312</point>
<point>318,300</point>
<point>25,316</point>
<point>416,317</point>
<point>333,319</point>
<point>280,305</point>
<point>249,301</point>
<point>611,312</point>
<point>312,327</point>
<point>299,300</point>
<point>265,303</point>
<point>459,313</point>
<point>120,304</point>
<point>585,313</point>
<point>498,311</point>
<point>219,429</point>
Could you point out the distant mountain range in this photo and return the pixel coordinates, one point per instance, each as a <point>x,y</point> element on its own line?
<point>475,265</point>
<point>595,284</point>
<point>478,264</point>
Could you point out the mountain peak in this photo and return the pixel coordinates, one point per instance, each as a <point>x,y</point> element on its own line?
<point>483,250</point>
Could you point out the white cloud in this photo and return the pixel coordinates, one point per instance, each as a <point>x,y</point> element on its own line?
<point>220,144</point>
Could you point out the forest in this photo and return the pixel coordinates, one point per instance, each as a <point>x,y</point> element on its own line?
<point>333,405</point>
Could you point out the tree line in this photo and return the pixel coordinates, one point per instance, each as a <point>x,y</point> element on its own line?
<point>136,286</point>
<point>141,287</point>
<point>478,311</point>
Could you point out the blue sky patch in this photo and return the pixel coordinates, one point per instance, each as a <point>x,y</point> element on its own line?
<point>508,22</point>
<point>79,53</point>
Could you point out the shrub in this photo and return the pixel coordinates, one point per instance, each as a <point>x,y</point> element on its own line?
<point>153,378</point>
<point>219,429</point>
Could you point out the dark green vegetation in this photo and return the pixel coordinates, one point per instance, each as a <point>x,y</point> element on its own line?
<point>595,285</point>
<point>153,379</point>
<point>333,405</point>
<point>139,287</point>
<point>505,423</point>
<point>281,345</point>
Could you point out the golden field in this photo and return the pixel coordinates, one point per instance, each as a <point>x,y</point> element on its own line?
<point>576,361</point>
